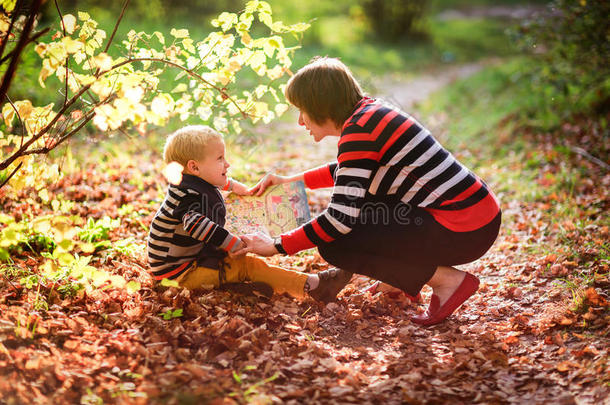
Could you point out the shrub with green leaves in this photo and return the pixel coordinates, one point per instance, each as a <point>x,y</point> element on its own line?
<point>95,231</point>
<point>572,42</point>
<point>394,19</point>
<point>54,237</point>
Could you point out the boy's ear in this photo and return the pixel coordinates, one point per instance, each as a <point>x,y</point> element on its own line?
<point>192,166</point>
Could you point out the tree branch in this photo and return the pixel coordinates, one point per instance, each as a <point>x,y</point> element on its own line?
<point>33,38</point>
<point>23,41</point>
<point>8,33</point>
<point>116,26</point>
<point>188,71</point>
<point>63,27</point>
<point>20,119</point>
<point>86,118</point>
<point>47,149</point>
<point>589,156</point>
<point>23,149</point>
<point>11,175</point>
<point>7,162</point>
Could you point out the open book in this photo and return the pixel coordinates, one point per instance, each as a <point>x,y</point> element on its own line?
<point>280,209</point>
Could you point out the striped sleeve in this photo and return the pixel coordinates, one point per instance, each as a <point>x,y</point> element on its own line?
<point>202,228</point>
<point>358,156</point>
<point>320,177</point>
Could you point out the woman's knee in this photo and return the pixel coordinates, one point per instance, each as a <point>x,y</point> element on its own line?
<point>332,254</point>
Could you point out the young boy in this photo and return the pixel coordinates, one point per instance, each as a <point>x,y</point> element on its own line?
<point>187,241</point>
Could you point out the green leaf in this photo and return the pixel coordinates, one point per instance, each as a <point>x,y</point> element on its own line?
<point>87,247</point>
<point>99,277</point>
<point>266,19</point>
<point>227,20</point>
<point>132,287</point>
<point>251,6</point>
<point>166,282</point>
<point>236,377</point>
<point>264,7</point>
<point>65,244</point>
<point>65,259</point>
<point>4,256</point>
<point>8,5</point>
<point>180,88</point>
<point>160,37</point>
<point>6,219</point>
<point>9,237</point>
<point>42,225</point>
<point>182,33</point>
<point>117,281</point>
<point>258,58</point>
<point>69,23</point>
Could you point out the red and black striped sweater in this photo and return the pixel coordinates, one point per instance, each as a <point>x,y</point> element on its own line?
<point>385,156</point>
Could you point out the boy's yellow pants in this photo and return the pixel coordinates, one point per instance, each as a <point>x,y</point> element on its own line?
<point>248,268</point>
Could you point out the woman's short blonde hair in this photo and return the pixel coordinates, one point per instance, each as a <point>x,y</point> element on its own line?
<point>324,89</point>
<point>188,143</point>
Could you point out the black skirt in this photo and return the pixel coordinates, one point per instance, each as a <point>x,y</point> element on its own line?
<point>404,250</point>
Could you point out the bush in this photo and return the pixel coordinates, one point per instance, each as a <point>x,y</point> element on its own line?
<point>394,19</point>
<point>572,42</point>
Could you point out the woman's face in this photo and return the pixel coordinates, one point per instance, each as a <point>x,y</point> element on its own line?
<point>318,131</point>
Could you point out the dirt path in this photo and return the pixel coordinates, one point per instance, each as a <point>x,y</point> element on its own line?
<point>407,93</point>
<point>513,12</point>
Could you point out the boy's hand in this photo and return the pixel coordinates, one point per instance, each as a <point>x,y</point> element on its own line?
<point>265,182</point>
<point>241,248</point>
<point>240,189</point>
<point>258,243</point>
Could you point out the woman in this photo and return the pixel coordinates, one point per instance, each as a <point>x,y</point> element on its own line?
<point>403,209</point>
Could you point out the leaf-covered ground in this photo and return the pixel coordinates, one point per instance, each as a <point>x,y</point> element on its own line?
<point>536,332</point>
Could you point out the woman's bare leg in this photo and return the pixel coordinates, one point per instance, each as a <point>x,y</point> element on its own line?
<point>445,281</point>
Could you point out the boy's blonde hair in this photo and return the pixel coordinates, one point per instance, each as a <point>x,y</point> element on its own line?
<point>325,89</point>
<point>188,143</point>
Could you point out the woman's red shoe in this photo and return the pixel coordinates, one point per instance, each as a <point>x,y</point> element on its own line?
<point>436,314</point>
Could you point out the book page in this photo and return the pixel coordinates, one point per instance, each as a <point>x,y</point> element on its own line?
<point>280,209</point>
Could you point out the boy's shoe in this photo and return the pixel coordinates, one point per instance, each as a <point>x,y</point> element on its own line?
<point>254,288</point>
<point>331,282</point>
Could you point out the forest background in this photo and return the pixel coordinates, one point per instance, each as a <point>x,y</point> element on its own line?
<point>519,91</point>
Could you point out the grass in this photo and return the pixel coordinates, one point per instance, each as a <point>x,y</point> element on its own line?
<point>503,93</point>
<point>438,5</point>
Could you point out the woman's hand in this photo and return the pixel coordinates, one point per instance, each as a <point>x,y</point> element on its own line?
<point>240,189</point>
<point>267,181</point>
<point>258,243</point>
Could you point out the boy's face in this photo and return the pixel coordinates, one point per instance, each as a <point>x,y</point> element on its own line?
<point>213,167</point>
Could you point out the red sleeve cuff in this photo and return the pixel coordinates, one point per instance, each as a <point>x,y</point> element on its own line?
<point>295,241</point>
<point>319,177</point>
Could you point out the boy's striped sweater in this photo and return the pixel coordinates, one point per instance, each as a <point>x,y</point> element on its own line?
<point>188,227</point>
